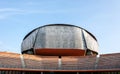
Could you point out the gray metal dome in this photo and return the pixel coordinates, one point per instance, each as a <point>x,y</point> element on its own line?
<point>59,40</point>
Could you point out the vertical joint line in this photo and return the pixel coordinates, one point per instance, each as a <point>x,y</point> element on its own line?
<point>22,61</point>
<point>35,38</point>
<point>84,40</point>
<point>59,62</point>
<point>97,60</point>
<point>35,41</point>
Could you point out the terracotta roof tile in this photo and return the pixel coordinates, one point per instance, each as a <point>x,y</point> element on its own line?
<point>87,62</point>
<point>36,62</point>
<point>50,62</point>
<point>32,61</point>
<point>109,61</point>
<point>10,60</point>
<point>40,62</point>
<point>69,63</point>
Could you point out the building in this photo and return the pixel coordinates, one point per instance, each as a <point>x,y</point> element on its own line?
<point>59,48</point>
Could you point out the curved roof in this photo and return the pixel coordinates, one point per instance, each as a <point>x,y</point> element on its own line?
<point>105,62</point>
<point>59,25</point>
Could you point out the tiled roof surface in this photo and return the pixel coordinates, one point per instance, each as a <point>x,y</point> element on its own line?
<point>36,62</point>
<point>109,61</point>
<point>87,62</point>
<point>40,62</point>
<point>10,60</point>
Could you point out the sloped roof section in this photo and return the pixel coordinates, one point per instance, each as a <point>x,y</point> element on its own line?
<point>109,61</point>
<point>53,63</point>
<point>10,60</point>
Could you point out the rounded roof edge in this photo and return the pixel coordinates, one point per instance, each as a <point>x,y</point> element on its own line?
<point>59,25</point>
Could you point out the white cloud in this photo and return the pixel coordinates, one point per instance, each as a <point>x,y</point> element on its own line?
<point>8,12</point>
<point>53,11</point>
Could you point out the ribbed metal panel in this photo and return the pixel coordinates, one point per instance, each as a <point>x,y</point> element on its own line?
<point>29,41</point>
<point>91,43</point>
<point>60,36</point>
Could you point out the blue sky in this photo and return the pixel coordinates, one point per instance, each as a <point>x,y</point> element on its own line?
<point>100,17</point>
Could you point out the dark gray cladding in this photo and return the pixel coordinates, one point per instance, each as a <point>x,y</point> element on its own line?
<point>60,36</point>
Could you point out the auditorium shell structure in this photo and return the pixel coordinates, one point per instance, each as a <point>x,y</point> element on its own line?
<point>59,49</point>
<point>60,40</point>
